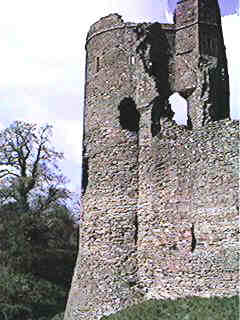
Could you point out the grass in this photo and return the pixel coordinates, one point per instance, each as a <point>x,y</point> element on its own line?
<point>194,308</point>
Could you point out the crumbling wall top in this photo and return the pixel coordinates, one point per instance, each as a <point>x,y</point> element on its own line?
<point>168,26</point>
<point>113,20</point>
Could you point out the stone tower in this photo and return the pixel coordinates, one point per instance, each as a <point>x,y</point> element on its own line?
<point>201,65</point>
<point>108,233</point>
<point>160,199</point>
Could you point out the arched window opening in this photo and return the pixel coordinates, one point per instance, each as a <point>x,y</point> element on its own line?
<point>179,107</point>
<point>129,115</point>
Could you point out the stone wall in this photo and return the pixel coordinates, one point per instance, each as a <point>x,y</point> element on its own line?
<point>160,200</point>
<point>188,239</point>
<point>106,266</point>
<point>182,237</point>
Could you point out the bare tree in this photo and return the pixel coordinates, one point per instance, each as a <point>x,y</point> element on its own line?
<point>29,172</point>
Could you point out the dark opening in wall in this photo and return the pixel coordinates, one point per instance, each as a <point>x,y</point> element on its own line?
<point>129,115</point>
<point>194,241</point>
<point>97,64</point>
<point>136,230</point>
<point>84,174</point>
<point>179,107</point>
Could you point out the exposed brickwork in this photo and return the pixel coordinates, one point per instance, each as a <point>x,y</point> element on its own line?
<point>160,200</point>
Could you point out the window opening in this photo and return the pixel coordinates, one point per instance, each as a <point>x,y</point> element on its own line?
<point>194,241</point>
<point>132,60</point>
<point>97,64</point>
<point>85,168</point>
<point>179,107</point>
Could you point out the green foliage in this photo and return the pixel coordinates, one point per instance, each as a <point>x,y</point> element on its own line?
<point>20,288</point>
<point>25,294</point>
<point>38,240</point>
<point>59,316</point>
<point>36,262</point>
<point>195,308</point>
<point>13,312</point>
<point>35,243</point>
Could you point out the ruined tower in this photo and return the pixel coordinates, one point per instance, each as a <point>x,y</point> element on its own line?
<point>201,64</point>
<point>160,199</point>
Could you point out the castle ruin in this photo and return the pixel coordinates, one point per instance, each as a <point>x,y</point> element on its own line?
<point>160,199</point>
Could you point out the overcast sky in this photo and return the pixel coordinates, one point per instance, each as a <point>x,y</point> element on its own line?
<point>42,63</point>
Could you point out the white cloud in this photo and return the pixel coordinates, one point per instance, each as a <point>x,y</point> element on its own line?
<point>69,134</point>
<point>230,25</point>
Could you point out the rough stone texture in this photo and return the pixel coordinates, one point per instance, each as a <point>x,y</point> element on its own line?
<point>194,197</point>
<point>160,199</point>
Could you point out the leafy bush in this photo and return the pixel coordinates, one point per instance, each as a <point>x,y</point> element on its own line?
<point>13,312</point>
<point>59,316</point>
<point>38,238</point>
<point>195,308</point>
<point>38,244</point>
<point>24,294</point>
<point>36,263</point>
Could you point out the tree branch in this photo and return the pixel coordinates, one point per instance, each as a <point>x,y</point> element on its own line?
<point>6,172</point>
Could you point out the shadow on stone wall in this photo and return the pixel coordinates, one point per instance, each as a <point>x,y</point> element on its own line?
<point>156,51</point>
<point>160,108</point>
<point>218,93</point>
